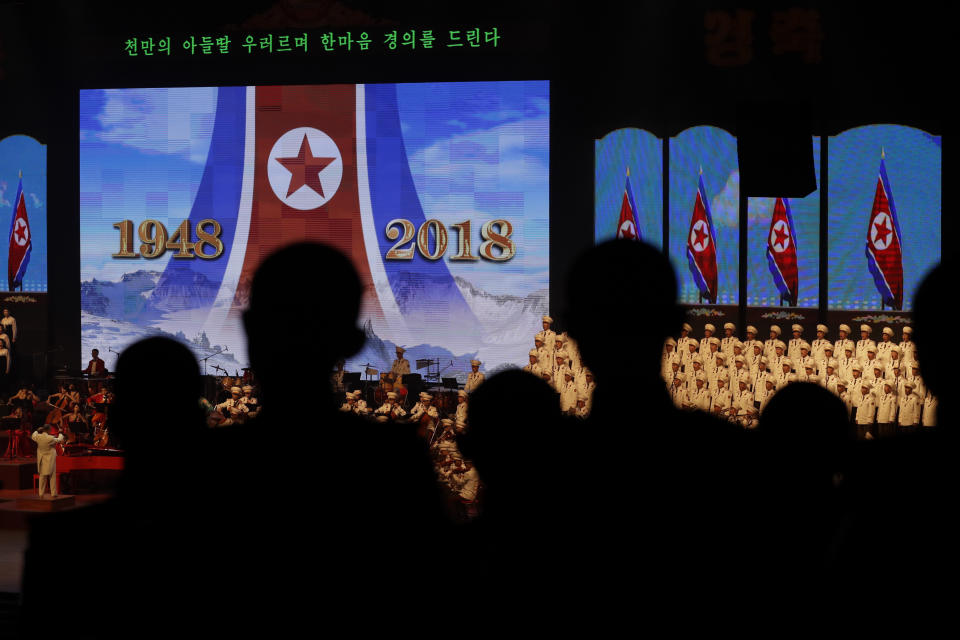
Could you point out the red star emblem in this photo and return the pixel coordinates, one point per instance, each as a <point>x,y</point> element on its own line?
<point>626,231</point>
<point>701,236</point>
<point>883,230</point>
<point>782,236</point>
<point>305,169</point>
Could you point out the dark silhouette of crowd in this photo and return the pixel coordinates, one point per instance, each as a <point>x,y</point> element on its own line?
<point>639,510</point>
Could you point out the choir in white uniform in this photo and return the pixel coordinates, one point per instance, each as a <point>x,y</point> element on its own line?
<point>880,383</point>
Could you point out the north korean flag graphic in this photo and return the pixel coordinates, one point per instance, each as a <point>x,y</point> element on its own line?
<point>701,246</point>
<point>21,242</point>
<point>309,163</point>
<point>782,251</point>
<point>629,224</point>
<point>883,248</point>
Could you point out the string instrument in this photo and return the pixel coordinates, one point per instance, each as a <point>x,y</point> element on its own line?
<point>100,434</point>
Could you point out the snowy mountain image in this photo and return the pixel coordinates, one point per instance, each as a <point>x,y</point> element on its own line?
<point>435,323</point>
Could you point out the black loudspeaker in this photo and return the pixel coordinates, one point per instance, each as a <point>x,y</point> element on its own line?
<point>775,149</point>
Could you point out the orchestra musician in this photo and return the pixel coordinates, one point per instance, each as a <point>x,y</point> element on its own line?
<point>390,409</point>
<point>248,399</point>
<point>234,411</point>
<point>75,421</point>
<point>400,366</point>
<point>474,378</point>
<point>96,366</point>
<point>425,414</point>
<point>460,418</point>
<point>8,325</point>
<point>5,360</point>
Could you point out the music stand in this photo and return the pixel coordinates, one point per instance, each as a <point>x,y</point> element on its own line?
<point>451,383</point>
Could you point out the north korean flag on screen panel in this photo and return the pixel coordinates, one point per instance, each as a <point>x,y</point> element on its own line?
<point>21,241</point>
<point>701,246</point>
<point>883,248</point>
<point>629,224</point>
<point>782,250</point>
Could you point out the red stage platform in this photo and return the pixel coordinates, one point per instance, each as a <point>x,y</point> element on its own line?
<point>18,473</point>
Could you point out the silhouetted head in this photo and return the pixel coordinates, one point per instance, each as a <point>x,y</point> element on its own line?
<point>932,305</point>
<point>805,429</point>
<point>513,417</point>
<point>304,304</point>
<point>157,390</point>
<point>615,284</point>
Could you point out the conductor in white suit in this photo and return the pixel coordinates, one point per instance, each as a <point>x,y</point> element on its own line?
<point>47,458</point>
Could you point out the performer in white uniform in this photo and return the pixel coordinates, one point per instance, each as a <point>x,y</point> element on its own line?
<point>47,458</point>
<point>474,378</point>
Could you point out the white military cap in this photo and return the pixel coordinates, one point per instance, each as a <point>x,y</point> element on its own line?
<point>461,393</point>
<point>832,363</point>
<point>687,327</point>
<point>720,379</point>
<point>392,395</point>
<point>805,345</point>
<point>845,328</point>
<point>814,379</point>
<point>878,366</point>
<point>235,390</point>
<point>695,358</point>
<point>426,396</point>
<point>556,354</point>
<point>909,384</point>
<point>757,345</point>
<point>915,365</point>
<point>671,341</point>
<point>779,344</point>
<point>348,395</point>
<point>752,329</point>
<point>447,422</point>
<point>721,356</point>
<point>538,338</point>
<point>714,340</point>
<point>787,361</point>
<point>865,327</point>
<point>849,347</point>
<point>548,319</point>
<point>823,327</point>
<point>738,345</point>
<point>739,359</point>
<point>763,359</point>
<point>871,349</point>
<point>865,384</point>
<point>729,325</point>
<point>534,352</point>
<point>769,378</point>
<point>709,327</point>
<point>744,376</point>
<point>908,330</point>
<point>856,366</point>
<point>246,388</point>
<point>581,395</point>
<point>842,382</point>
<point>895,349</point>
<point>475,363</point>
<point>828,347</point>
<point>559,338</point>
<point>679,376</point>
<point>700,375</point>
<point>888,331</point>
<point>792,377</point>
<point>775,329</point>
<point>400,349</point>
<point>797,327</point>
<point>809,365</point>
<point>694,342</point>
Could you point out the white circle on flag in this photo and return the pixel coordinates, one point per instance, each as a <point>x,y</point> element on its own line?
<point>21,232</point>
<point>319,146</point>
<point>627,230</point>
<point>701,227</point>
<point>882,222</point>
<point>780,241</point>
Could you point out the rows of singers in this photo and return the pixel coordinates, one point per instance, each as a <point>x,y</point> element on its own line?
<point>880,382</point>
<point>556,359</point>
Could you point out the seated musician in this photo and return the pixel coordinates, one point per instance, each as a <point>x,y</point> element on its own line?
<point>96,367</point>
<point>60,399</point>
<point>425,414</point>
<point>391,409</point>
<point>253,404</point>
<point>400,366</point>
<point>76,422</point>
<point>349,402</point>
<point>234,411</point>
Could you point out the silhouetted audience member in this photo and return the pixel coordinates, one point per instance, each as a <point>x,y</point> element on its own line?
<point>805,443</point>
<point>138,552</point>
<point>516,439</point>
<point>903,536</point>
<point>663,493</point>
<point>324,517</point>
